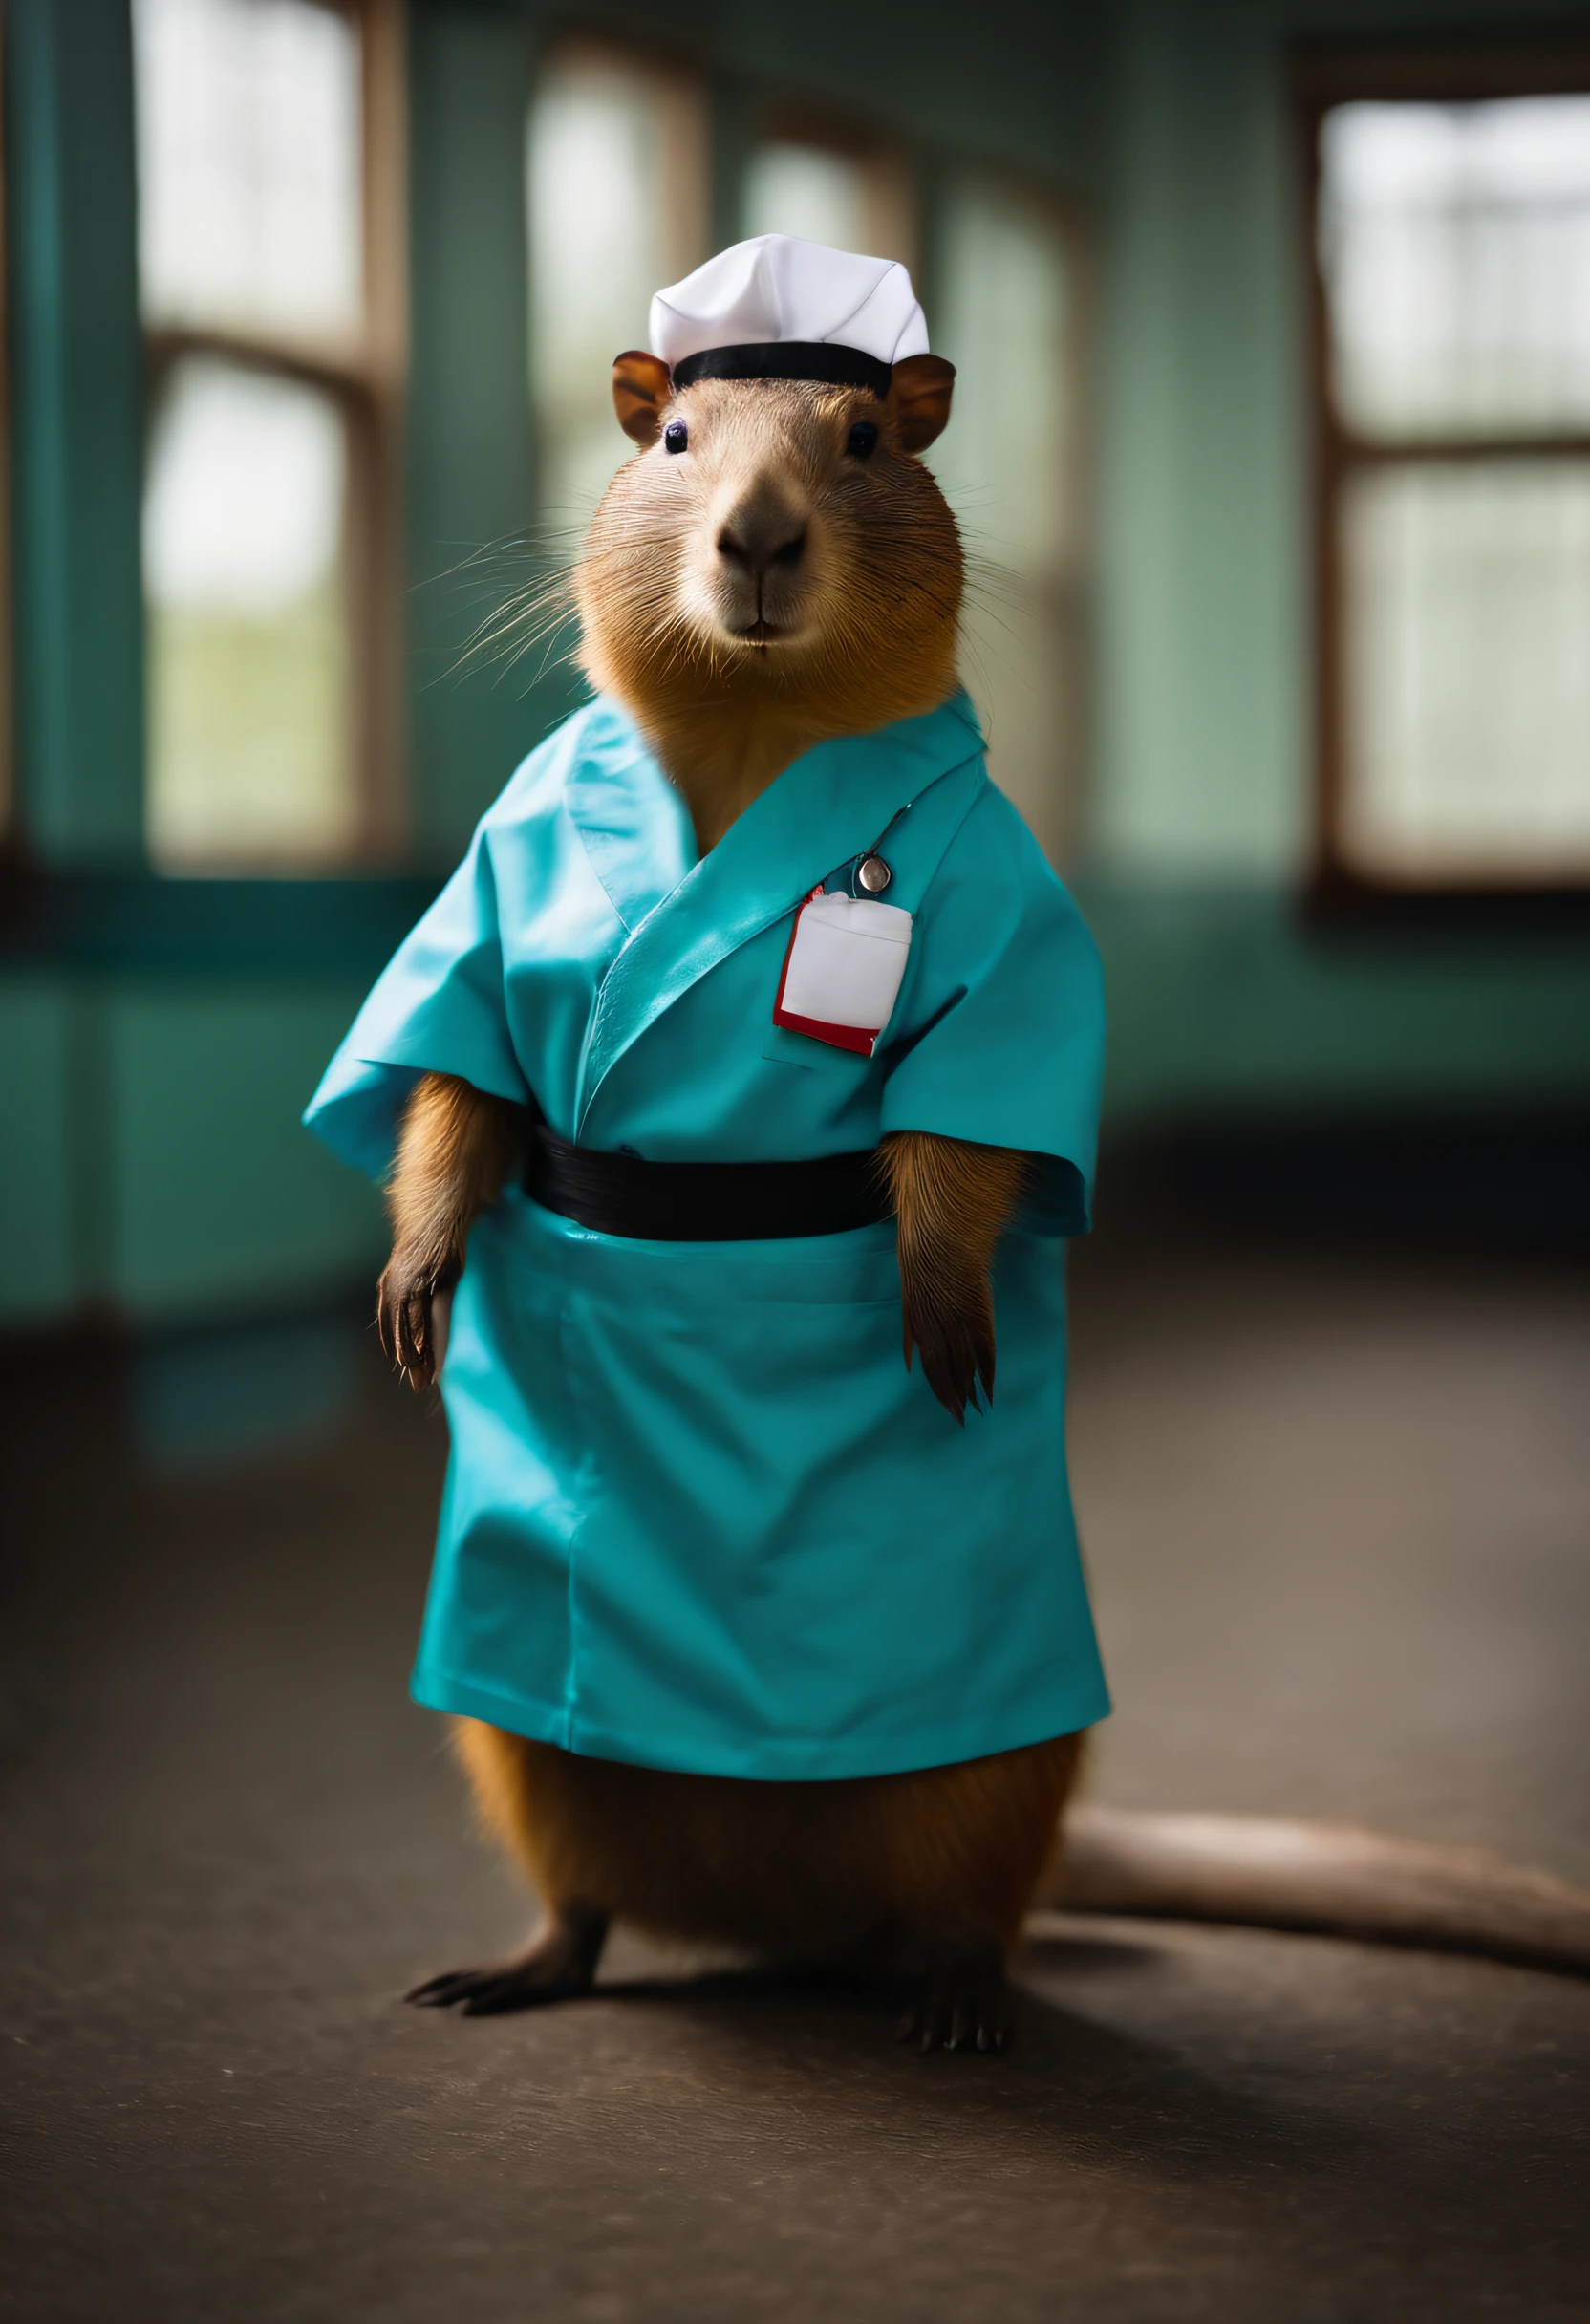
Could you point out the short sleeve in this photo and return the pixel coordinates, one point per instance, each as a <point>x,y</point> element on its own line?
<point>437,1009</point>
<point>1004,1023</point>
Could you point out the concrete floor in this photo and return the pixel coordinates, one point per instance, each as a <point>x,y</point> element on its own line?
<point>1338,1518</point>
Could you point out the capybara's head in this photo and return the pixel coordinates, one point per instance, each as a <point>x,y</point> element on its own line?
<point>775,539</point>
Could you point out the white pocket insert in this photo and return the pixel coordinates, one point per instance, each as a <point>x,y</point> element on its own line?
<point>843,972</point>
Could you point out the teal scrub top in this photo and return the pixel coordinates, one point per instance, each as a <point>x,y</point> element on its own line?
<point>697,1513</point>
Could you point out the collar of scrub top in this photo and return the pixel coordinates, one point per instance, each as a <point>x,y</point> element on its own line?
<point>776,308</point>
<point>682,916</point>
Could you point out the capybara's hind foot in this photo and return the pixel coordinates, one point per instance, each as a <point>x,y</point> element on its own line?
<point>962,2003</point>
<point>559,1964</point>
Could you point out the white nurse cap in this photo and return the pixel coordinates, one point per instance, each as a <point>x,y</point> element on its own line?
<point>778,309</point>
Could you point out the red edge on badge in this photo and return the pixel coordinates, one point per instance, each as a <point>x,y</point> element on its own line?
<point>837,1035</point>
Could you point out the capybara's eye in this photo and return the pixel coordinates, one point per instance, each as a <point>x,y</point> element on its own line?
<point>862,440</point>
<point>676,436</point>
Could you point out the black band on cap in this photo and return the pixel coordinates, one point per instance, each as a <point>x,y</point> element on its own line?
<point>788,359</point>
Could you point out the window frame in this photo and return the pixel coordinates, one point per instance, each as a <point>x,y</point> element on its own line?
<point>1337,888</point>
<point>366,378</point>
<point>893,195</point>
<point>690,80</point>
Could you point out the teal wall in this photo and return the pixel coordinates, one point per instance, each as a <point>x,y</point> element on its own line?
<point>48,1262</point>
<point>1202,770</point>
<point>1220,1006</point>
<point>76,415</point>
<point>155,1155</point>
<point>157,1158</point>
<point>469,441</point>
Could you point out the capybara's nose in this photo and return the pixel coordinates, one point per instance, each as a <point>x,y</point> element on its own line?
<point>762,533</point>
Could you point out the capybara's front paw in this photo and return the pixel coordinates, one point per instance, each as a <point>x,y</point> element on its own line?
<point>403,1317</point>
<point>950,1326</point>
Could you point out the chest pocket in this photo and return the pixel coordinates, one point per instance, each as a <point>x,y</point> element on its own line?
<point>781,1046</point>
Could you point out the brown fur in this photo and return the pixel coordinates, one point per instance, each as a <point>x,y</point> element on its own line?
<point>953,1201</point>
<point>456,1148</point>
<point>801,1872</point>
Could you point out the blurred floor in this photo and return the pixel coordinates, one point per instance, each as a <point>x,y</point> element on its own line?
<point>1337,1510</point>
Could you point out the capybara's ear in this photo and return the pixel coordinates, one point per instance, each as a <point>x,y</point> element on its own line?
<point>641,385</point>
<point>919,399</point>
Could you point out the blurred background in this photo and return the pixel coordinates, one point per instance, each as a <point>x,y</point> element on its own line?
<point>1272,448</point>
<point>1271,451</point>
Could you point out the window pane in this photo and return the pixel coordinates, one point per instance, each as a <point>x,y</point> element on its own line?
<point>617,176</point>
<point>250,213</point>
<point>1007,319</point>
<point>1455,241</point>
<point>806,190</point>
<point>248,652</point>
<point>1469,669</point>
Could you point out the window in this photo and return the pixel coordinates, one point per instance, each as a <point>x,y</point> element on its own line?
<point>828,181</point>
<point>270,255</point>
<point>616,184</point>
<point>1453,240</point>
<point>1009,314</point>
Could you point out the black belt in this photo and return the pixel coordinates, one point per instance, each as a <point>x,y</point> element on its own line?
<point>703,1201</point>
